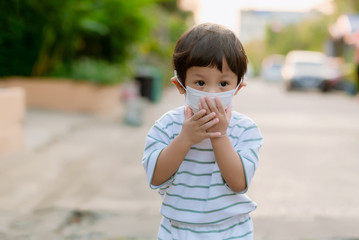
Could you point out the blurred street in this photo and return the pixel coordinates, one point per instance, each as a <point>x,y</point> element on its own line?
<point>80,176</point>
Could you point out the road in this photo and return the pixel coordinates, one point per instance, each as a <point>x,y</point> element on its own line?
<point>81,175</point>
<point>307,180</point>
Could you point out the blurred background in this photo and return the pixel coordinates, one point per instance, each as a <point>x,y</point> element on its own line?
<point>82,82</point>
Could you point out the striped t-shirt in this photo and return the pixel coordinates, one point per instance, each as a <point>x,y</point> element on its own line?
<point>197,193</point>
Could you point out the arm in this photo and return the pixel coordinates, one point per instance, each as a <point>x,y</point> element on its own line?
<point>194,130</point>
<point>169,160</point>
<point>229,163</point>
<point>228,160</point>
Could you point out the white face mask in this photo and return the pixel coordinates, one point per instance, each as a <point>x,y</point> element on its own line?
<point>193,96</point>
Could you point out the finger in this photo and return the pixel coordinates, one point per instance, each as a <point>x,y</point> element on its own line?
<point>188,112</point>
<point>211,104</point>
<point>213,135</point>
<point>210,124</point>
<point>205,105</point>
<point>219,105</point>
<point>207,118</point>
<point>229,112</point>
<point>198,114</point>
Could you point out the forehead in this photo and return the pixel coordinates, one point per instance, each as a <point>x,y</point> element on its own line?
<point>211,72</point>
<point>224,66</point>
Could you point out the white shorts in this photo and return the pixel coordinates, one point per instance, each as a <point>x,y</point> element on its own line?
<point>238,227</point>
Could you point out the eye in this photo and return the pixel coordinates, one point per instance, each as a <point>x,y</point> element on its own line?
<point>200,83</point>
<point>223,84</point>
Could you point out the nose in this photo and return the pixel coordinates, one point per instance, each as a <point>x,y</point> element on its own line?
<point>211,90</point>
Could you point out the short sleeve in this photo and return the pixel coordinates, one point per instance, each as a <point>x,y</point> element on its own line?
<point>247,145</point>
<point>157,139</point>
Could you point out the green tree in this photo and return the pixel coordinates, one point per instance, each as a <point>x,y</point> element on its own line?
<point>20,38</point>
<point>157,49</point>
<point>86,39</point>
<point>346,6</point>
<point>308,35</point>
<point>39,35</point>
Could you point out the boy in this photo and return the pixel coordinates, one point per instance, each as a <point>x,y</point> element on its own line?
<point>202,156</point>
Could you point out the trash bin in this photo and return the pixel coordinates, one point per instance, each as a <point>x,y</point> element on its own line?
<point>151,83</point>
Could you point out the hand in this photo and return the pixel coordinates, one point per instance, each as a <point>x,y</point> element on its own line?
<point>223,115</point>
<point>195,126</point>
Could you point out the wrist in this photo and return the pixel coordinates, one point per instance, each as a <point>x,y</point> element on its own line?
<point>222,135</point>
<point>219,138</point>
<point>184,140</point>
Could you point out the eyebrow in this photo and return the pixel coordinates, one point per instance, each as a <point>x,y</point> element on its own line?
<point>198,75</point>
<point>225,75</point>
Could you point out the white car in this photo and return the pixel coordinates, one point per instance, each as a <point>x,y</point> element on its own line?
<point>307,69</point>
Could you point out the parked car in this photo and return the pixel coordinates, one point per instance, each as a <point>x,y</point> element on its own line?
<point>271,68</point>
<point>309,69</point>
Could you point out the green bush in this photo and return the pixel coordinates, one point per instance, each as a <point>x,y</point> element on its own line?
<point>95,71</point>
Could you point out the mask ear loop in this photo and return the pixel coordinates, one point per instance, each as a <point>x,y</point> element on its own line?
<point>177,79</point>
<point>240,82</point>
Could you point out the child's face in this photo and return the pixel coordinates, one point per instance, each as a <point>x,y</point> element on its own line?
<point>211,80</point>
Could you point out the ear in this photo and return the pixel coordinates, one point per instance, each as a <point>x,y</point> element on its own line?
<point>178,86</point>
<point>243,84</point>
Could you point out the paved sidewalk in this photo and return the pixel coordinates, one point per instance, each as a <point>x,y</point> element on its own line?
<point>80,176</point>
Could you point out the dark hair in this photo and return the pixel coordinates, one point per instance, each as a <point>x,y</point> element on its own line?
<point>206,45</point>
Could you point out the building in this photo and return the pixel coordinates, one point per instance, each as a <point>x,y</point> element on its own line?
<point>253,23</point>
